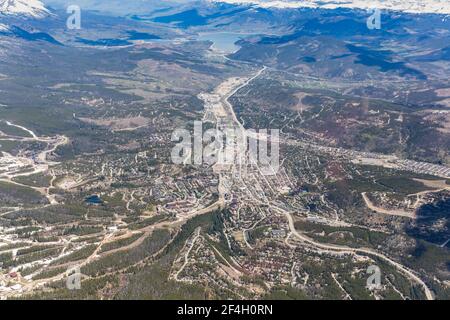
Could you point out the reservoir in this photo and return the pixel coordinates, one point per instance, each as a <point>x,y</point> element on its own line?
<point>223,41</point>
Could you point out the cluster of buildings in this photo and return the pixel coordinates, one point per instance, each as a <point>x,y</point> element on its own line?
<point>424,168</point>
<point>387,161</point>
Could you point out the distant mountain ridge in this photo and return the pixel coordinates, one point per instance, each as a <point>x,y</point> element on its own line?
<point>27,8</point>
<point>410,6</point>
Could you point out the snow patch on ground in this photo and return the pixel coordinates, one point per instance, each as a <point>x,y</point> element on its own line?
<point>3,27</point>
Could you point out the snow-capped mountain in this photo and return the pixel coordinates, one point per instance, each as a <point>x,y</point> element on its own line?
<point>411,6</point>
<point>29,8</point>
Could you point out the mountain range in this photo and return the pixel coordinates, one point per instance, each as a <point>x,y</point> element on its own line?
<point>411,6</point>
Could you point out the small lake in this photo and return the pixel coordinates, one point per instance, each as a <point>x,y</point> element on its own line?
<point>94,199</point>
<point>223,41</point>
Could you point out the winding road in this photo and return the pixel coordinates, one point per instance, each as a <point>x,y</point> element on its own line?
<point>356,251</point>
